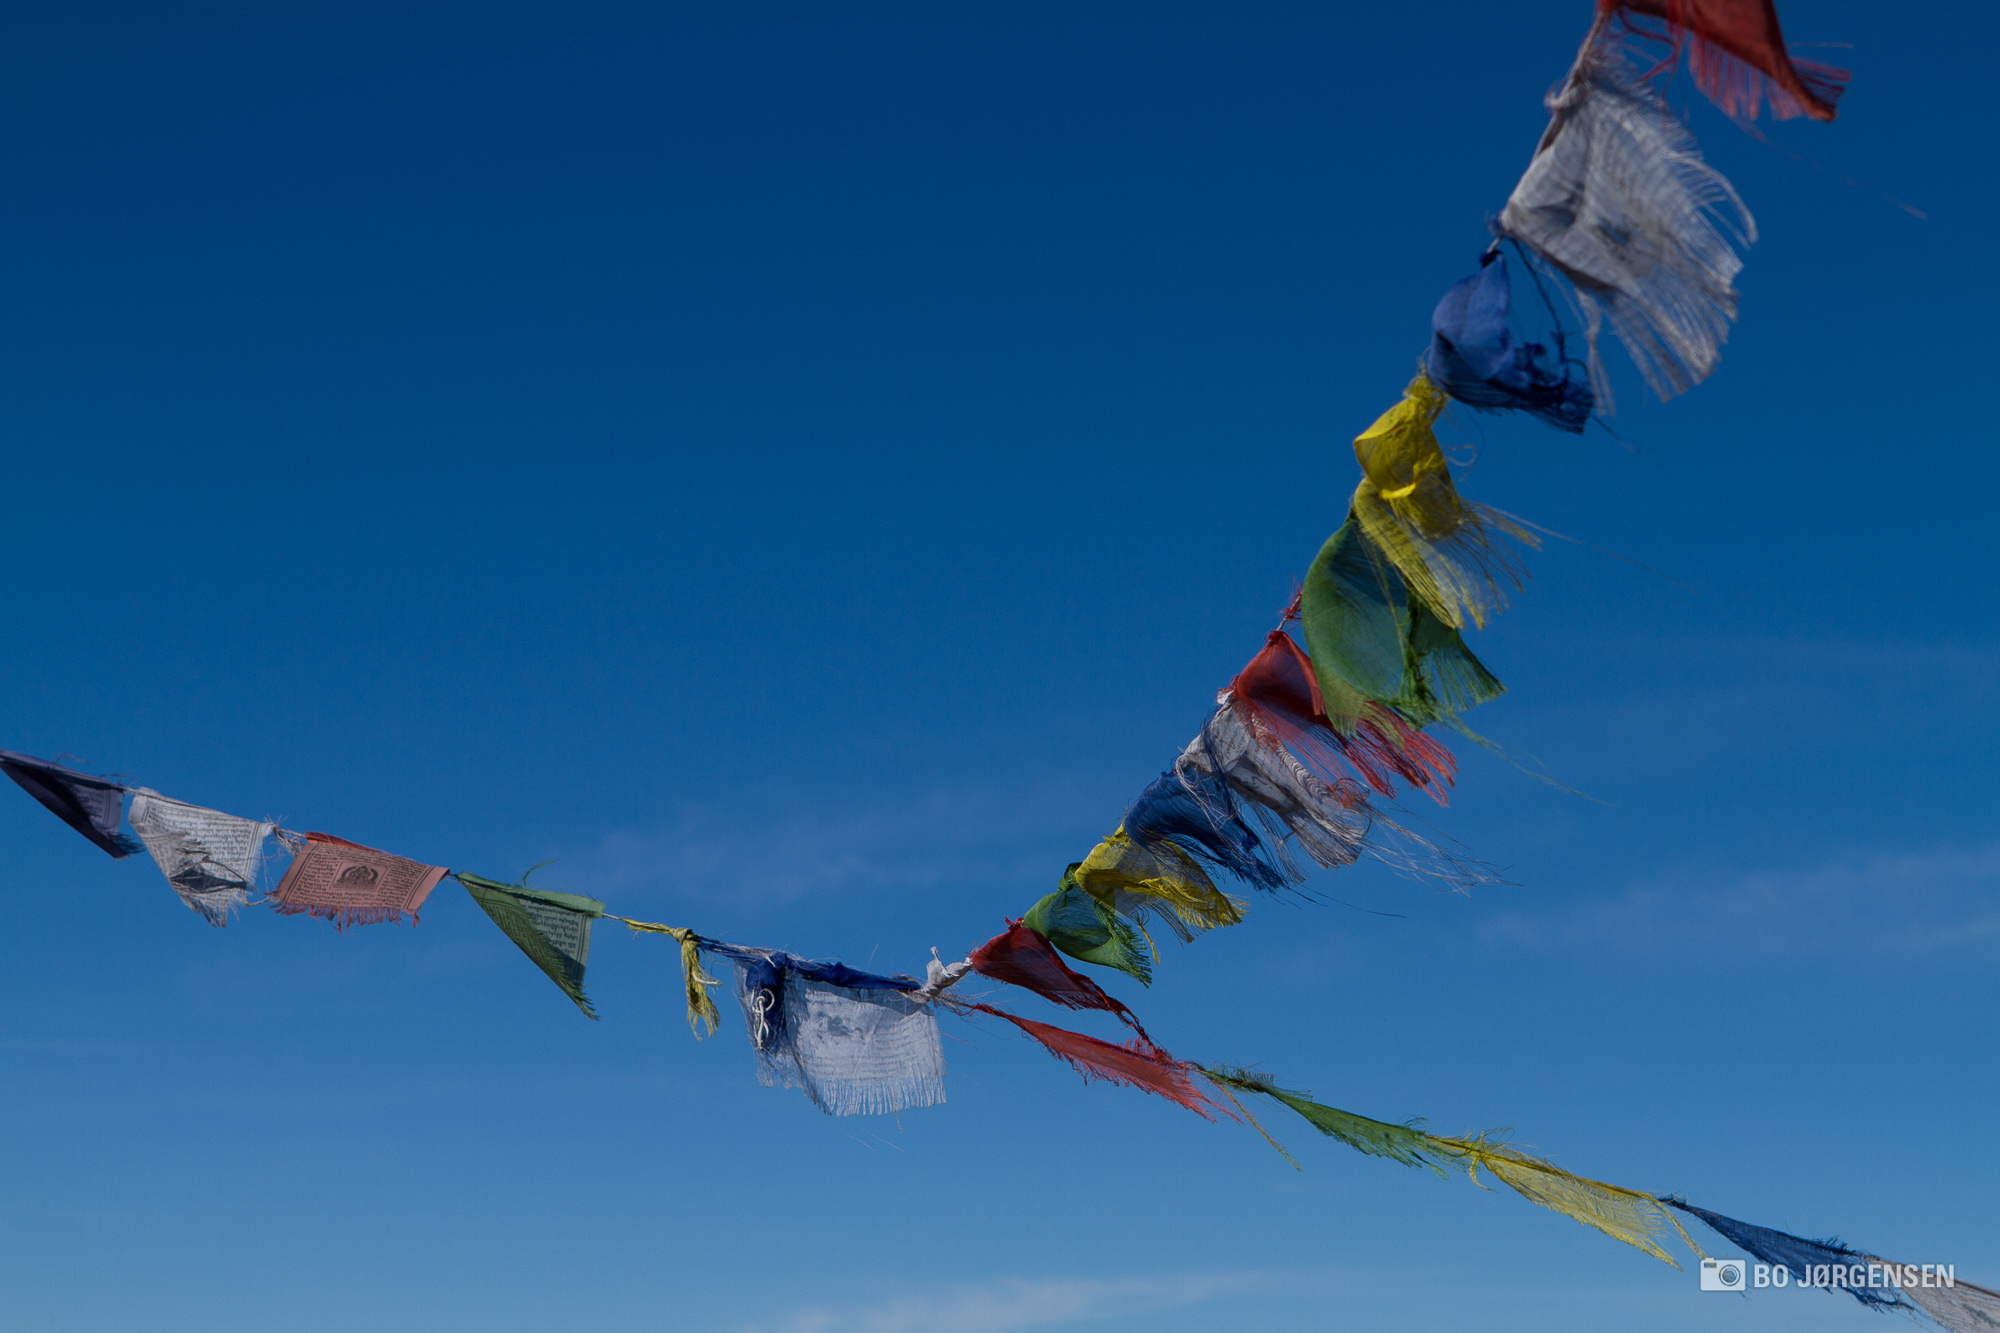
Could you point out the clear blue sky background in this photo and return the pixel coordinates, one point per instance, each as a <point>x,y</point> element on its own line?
<point>806,467</point>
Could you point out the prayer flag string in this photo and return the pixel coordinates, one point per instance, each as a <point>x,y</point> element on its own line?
<point>1291,772</point>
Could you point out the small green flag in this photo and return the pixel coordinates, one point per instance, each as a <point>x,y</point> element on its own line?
<point>1085,928</point>
<point>553,929</point>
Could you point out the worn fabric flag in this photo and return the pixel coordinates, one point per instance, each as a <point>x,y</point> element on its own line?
<point>351,885</point>
<point>1293,806</point>
<point>1168,814</point>
<point>1475,358</point>
<point>1399,1143</point>
<point>1962,1307</point>
<point>1736,52</point>
<point>1622,1214</point>
<point>553,929</point>
<point>1619,201</point>
<point>700,1006</point>
<point>211,859</point>
<point>1447,550</point>
<point>1627,1215</point>
<point>92,806</point>
<point>1821,1262</point>
<point>1158,883</point>
<point>1086,928</point>
<point>1136,1064</point>
<point>1279,696</point>
<point>1374,646</point>
<point>853,1042</point>
<point>1021,957</point>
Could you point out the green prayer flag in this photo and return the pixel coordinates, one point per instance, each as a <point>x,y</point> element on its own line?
<point>1370,640</point>
<point>1399,1143</point>
<point>553,929</point>
<point>1082,927</point>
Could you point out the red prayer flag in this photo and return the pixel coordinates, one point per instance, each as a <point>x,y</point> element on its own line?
<point>349,885</point>
<point>1136,1064</point>
<point>1279,695</point>
<point>1022,957</point>
<point>1736,52</point>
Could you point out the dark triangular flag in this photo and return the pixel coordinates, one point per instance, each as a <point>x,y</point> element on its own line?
<point>553,929</point>
<point>93,807</point>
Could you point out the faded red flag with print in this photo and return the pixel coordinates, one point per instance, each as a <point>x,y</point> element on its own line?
<point>351,885</point>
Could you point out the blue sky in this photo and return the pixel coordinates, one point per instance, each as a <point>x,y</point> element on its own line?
<point>806,468</point>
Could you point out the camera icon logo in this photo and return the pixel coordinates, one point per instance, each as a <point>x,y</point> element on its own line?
<point>1722,1274</point>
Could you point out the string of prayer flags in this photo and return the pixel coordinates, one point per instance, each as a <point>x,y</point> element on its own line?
<point>351,885</point>
<point>1085,927</point>
<point>1265,777</point>
<point>1399,1143</point>
<point>699,1004</point>
<point>1736,52</point>
<point>1280,697</point>
<point>1628,1215</point>
<point>93,806</point>
<point>553,929</point>
<point>1293,806</point>
<point>210,859</point>
<point>1810,1262</point>
<point>1137,1064</point>
<point>1022,957</point>
<point>1618,200</point>
<point>1475,357</point>
<point>853,1042</point>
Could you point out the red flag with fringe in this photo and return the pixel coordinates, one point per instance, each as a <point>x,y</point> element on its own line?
<point>351,885</point>
<point>1280,694</point>
<point>1137,1064</point>
<point>1022,957</point>
<point>1736,53</point>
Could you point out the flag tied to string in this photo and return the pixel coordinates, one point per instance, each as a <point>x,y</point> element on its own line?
<point>1736,52</point>
<point>1623,1214</point>
<point>211,859</point>
<point>1021,957</point>
<point>553,929</point>
<point>1962,1307</point>
<point>1618,200</point>
<point>92,806</point>
<point>1088,928</point>
<point>1797,1254</point>
<point>351,885</point>
<point>700,1006</point>
<point>1475,357</point>
<point>853,1042</point>
<point>1137,1064</point>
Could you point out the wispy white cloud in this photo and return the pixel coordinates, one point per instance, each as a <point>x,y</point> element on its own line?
<point>994,1307</point>
<point>1901,904</point>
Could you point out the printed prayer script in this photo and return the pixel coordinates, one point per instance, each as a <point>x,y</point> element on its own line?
<point>349,884</point>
